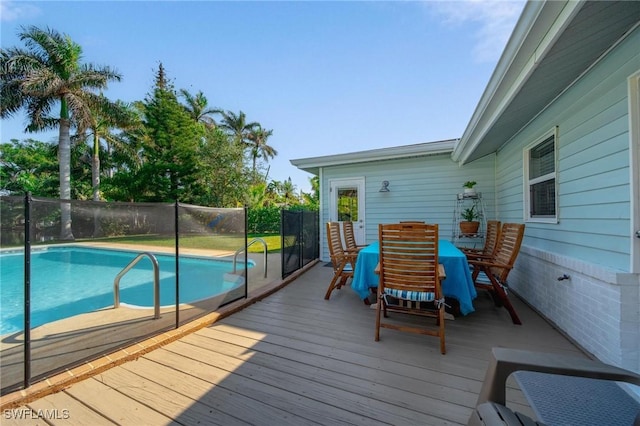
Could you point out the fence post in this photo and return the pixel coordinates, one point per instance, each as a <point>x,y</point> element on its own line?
<point>316,220</point>
<point>246,252</point>
<point>301,240</point>
<point>283,271</point>
<point>176,221</point>
<point>27,290</point>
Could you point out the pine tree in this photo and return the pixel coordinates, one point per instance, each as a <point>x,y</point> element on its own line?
<point>171,145</point>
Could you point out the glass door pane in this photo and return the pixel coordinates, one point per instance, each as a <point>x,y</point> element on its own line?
<point>347,204</point>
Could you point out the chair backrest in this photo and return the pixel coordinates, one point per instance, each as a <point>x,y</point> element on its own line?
<point>336,249</point>
<point>409,257</point>
<point>507,249</point>
<point>492,237</point>
<point>349,236</point>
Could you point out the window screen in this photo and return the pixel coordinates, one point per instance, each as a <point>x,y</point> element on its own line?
<point>541,179</point>
<point>542,159</point>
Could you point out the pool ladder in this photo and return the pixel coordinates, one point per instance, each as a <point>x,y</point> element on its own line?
<point>156,282</point>
<point>255,240</point>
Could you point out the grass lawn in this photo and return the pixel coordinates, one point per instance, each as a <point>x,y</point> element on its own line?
<point>214,242</point>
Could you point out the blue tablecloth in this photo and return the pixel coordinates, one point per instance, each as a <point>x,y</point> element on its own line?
<point>458,283</point>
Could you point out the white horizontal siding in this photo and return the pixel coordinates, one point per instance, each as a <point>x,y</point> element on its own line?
<point>421,188</point>
<point>593,166</point>
<point>598,305</point>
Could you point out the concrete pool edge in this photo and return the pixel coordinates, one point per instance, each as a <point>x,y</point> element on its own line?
<point>64,379</point>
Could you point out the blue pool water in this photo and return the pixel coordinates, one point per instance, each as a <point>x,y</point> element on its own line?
<point>67,281</point>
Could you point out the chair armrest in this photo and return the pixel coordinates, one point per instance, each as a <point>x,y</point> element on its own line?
<point>480,262</point>
<point>350,255</point>
<point>477,255</point>
<point>470,250</point>
<point>505,361</point>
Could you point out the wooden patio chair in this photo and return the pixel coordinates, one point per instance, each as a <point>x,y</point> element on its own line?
<point>491,274</point>
<point>343,262</point>
<point>410,277</point>
<point>492,236</point>
<point>350,239</point>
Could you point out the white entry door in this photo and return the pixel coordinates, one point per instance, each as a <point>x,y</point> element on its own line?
<point>347,204</point>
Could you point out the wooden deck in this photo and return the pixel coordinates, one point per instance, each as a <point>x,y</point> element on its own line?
<point>295,359</point>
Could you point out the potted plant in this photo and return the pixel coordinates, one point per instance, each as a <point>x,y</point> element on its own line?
<point>469,224</point>
<point>468,187</point>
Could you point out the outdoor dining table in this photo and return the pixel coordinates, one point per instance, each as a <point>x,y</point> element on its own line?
<point>457,285</point>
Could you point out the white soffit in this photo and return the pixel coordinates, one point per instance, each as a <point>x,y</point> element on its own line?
<point>553,45</point>
<point>313,164</point>
<point>535,32</point>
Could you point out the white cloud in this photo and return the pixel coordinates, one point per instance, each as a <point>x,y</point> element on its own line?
<point>495,19</point>
<point>11,11</point>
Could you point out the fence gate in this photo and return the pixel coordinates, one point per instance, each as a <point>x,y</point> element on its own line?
<point>300,239</point>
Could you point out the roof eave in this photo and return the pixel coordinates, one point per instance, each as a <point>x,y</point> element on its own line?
<point>313,164</point>
<point>507,80</point>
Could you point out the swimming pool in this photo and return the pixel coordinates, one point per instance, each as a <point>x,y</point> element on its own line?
<point>71,280</point>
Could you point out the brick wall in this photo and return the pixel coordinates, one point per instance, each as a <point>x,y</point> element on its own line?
<point>597,307</point>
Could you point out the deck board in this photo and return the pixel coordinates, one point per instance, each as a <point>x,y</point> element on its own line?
<point>266,402</point>
<point>182,391</point>
<point>353,380</point>
<point>76,413</point>
<point>344,372</point>
<point>297,359</point>
<point>114,405</point>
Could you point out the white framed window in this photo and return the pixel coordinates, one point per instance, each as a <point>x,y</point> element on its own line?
<point>540,179</point>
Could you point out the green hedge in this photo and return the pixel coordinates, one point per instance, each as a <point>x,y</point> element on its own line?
<point>266,220</point>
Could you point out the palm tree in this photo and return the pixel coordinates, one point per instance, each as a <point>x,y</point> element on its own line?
<point>256,196</point>
<point>312,199</point>
<point>123,149</point>
<point>106,116</point>
<point>272,192</point>
<point>257,140</point>
<point>197,107</point>
<point>45,74</point>
<point>288,192</point>
<point>237,126</point>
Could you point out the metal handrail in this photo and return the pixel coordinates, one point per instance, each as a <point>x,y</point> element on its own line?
<point>156,282</point>
<point>255,240</point>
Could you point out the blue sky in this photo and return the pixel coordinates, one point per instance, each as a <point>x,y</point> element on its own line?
<point>327,77</point>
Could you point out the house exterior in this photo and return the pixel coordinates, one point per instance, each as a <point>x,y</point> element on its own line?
<point>553,143</point>
<point>423,182</point>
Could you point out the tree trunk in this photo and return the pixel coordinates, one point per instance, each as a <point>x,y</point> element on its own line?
<point>64,157</point>
<point>95,184</point>
<point>95,168</point>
